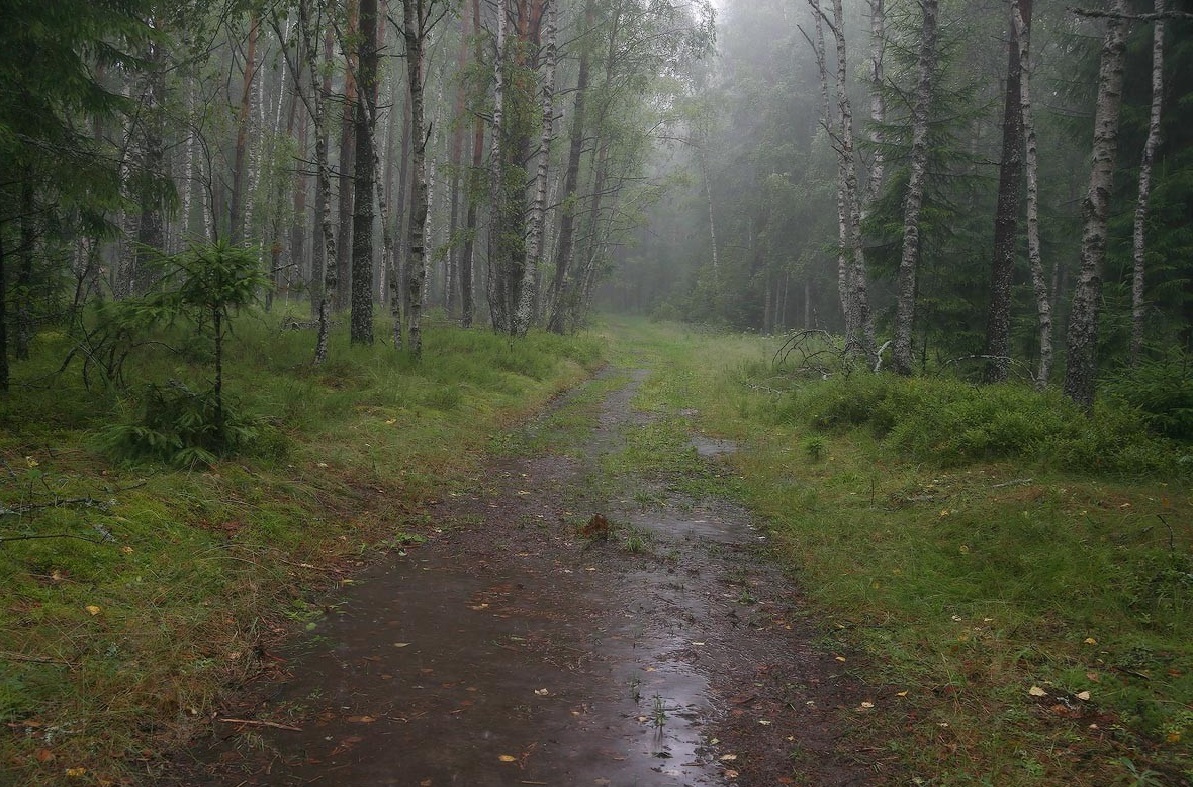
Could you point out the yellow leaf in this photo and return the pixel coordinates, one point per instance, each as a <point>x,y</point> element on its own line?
<point>126,550</point>
<point>1083,696</point>
<point>1090,641</point>
<point>94,610</point>
<point>1036,691</point>
<point>867,705</point>
<point>76,773</point>
<point>901,694</point>
<point>507,758</point>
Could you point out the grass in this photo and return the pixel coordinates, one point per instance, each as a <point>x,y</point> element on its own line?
<point>134,595</point>
<point>971,543</point>
<point>961,552</point>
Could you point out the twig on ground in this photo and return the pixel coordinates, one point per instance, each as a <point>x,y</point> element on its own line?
<point>253,723</point>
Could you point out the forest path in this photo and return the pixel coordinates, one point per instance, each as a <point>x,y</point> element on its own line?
<point>511,649</point>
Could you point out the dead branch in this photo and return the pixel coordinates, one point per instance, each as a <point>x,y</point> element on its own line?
<point>1092,13</point>
<point>252,723</point>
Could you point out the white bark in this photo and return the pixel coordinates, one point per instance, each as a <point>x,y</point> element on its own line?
<point>913,203</point>
<point>1082,362</point>
<point>538,209</point>
<point>877,135</point>
<point>1039,285</point>
<point>1145,184</point>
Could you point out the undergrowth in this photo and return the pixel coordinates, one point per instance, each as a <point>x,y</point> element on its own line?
<point>140,583</point>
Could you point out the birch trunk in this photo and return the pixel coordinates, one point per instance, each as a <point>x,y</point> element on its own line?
<point>412,28</point>
<point>712,219</point>
<point>243,118</point>
<point>904,319</point>
<point>529,294</point>
<point>467,256</point>
<point>1040,287</point>
<point>323,176</point>
<point>1082,346</point>
<point>1138,246</point>
<point>456,157</point>
<point>877,134</point>
<point>497,217</point>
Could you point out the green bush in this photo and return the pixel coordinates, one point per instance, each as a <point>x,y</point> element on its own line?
<point>181,427</point>
<point>952,423</point>
<point>1162,393</point>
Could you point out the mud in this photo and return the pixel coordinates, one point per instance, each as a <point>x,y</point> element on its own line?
<point>508,650</point>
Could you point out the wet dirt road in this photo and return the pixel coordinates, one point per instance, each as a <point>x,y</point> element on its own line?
<point>510,649</point>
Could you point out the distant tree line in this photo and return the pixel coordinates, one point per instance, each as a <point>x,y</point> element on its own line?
<point>981,180</point>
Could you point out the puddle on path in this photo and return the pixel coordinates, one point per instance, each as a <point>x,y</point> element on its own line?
<point>513,653</point>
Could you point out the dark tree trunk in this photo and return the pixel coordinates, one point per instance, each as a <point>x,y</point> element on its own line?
<point>347,163</point>
<point>24,288</point>
<point>363,215</point>
<point>1006,217</point>
<point>3,318</point>
<point>468,255</point>
<point>565,243</point>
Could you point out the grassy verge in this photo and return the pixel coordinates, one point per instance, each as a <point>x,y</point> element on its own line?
<point>1019,579</point>
<point>133,597</point>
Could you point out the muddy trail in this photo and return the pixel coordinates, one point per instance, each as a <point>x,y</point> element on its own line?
<point>520,646</point>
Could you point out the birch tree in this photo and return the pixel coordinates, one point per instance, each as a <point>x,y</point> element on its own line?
<point>323,176</point>
<point>1138,240</point>
<point>914,200</point>
<point>1082,341</point>
<point>1040,287</point>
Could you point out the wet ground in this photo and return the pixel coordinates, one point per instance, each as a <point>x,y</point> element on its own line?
<point>511,649</point>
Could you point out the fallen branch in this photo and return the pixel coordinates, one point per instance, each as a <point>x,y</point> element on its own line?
<point>1016,482</point>
<point>254,723</point>
<point>50,535</point>
<point>4,654</point>
<point>82,502</point>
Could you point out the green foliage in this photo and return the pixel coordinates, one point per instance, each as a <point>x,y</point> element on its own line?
<point>1162,392</point>
<point>951,423</point>
<point>181,427</point>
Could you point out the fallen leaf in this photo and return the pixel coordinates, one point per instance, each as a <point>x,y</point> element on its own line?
<point>507,758</point>
<point>764,722</point>
<point>1036,691</point>
<point>1090,641</point>
<point>1084,696</point>
<point>76,773</point>
<point>360,719</point>
<point>731,774</point>
<point>728,757</point>
<point>840,658</point>
<point>401,644</point>
<point>867,705</point>
<point>901,694</point>
<point>541,692</point>
<point>94,610</point>
<point>44,755</point>
<point>126,550</point>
